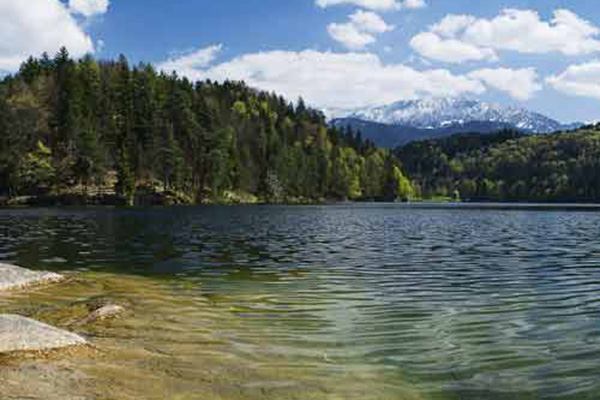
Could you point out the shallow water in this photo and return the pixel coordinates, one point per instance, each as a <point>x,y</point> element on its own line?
<point>372,302</point>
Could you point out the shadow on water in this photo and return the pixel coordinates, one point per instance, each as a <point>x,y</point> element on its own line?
<point>352,302</point>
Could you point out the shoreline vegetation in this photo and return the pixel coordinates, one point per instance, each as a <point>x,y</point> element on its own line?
<point>150,199</point>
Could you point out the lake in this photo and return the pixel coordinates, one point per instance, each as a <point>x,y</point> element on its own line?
<point>353,302</point>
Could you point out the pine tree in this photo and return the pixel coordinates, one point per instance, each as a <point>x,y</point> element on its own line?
<point>125,186</point>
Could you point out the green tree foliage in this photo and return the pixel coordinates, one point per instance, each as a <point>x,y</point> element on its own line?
<point>125,186</point>
<point>67,124</point>
<point>36,170</point>
<point>508,166</point>
<point>404,189</point>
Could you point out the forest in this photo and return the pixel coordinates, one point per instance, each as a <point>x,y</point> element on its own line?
<point>92,131</point>
<point>507,166</point>
<point>104,132</point>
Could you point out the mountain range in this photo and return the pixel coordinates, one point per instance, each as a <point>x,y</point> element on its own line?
<point>406,121</point>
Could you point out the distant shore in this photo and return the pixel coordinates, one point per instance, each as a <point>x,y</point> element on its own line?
<point>148,200</point>
<point>246,200</point>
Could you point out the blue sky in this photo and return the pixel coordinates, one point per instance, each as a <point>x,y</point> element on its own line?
<point>339,54</point>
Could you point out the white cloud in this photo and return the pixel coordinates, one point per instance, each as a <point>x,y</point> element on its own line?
<point>432,46</point>
<point>414,4</point>
<point>578,80</point>
<point>34,26</point>
<point>522,31</point>
<point>452,24</point>
<point>379,5</point>
<point>89,8</point>
<point>350,36</point>
<point>360,31</point>
<point>330,80</point>
<point>100,44</point>
<point>520,84</point>
<point>376,5</point>
<point>189,64</point>
<point>370,22</point>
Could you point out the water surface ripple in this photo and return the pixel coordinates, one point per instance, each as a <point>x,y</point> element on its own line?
<point>450,303</point>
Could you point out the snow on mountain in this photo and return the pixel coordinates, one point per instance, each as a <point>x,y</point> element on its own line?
<point>444,113</point>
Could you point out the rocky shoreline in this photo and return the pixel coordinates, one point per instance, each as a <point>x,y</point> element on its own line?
<point>19,334</point>
<point>17,278</point>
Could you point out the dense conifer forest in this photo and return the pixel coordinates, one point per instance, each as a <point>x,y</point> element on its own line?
<point>508,166</point>
<point>104,131</point>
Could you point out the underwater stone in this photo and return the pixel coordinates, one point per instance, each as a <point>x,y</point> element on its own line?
<point>20,334</point>
<point>105,312</point>
<point>13,277</point>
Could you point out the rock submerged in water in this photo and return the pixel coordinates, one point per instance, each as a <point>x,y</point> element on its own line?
<point>101,314</point>
<point>15,278</point>
<point>20,334</point>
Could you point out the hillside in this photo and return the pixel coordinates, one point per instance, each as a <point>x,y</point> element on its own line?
<point>84,128</point>
<point>508,166</point>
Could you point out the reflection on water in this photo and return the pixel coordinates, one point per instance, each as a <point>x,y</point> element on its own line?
<point>356,302</point>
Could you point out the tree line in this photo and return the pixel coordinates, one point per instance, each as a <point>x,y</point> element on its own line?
<point>508,166</point>
<point>92,127</point>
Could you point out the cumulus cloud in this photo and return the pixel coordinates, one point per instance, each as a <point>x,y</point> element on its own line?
<point>89,8</point>
<point>451,25</point>
<point>360,31</point>
<point>413,4</point>
<point>376,5</point>
<point>520,84</point>
<point>189,64</point>
<point>350,36</point>
<point>522,31</point>
<point>331,80</point>
<point>370,22</point>
<point>578,80</point>
<point>35,26</point>
<point>434,47</point>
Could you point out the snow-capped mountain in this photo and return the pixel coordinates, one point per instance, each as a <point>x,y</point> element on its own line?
<point>405,121</point>
<point>441,113</point>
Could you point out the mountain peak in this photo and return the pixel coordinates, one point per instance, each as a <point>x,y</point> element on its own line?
<point>439,113</point>
<point>409,120</point>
